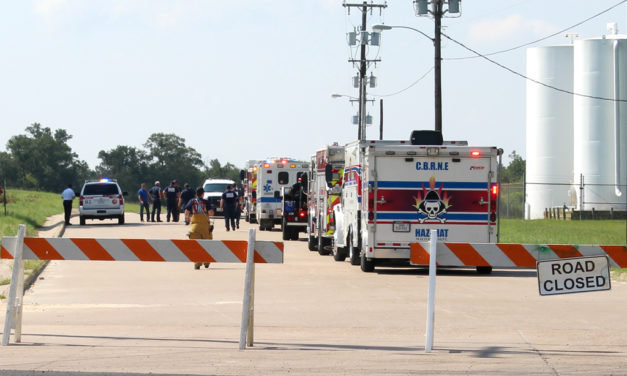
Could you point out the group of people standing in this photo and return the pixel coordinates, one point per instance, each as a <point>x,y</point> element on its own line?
<point>173,196</point>
<point>177,199</point>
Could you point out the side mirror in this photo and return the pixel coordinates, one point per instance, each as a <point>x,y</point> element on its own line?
<point>124,193</point>
<point>328,174</point>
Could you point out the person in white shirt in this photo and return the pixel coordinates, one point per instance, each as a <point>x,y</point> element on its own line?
<point>68,196</point>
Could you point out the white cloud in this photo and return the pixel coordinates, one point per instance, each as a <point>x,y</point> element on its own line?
<point>507,28</point>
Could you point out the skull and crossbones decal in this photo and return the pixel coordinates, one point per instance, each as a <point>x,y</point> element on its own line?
<point>433,205</point>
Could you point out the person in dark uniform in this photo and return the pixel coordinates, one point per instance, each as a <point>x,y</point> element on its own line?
<point>198,211</point>
<point>155,196</point>
<point>172,194</point>
<point>227,204</point>
<point>186,195</point>
<point>68,196</point>
<point>238,205</point>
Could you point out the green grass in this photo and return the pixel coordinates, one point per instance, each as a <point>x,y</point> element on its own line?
<point>547,231</point>
<point>30,208</point>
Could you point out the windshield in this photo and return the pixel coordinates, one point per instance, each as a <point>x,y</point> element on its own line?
<point>215,187</point>
<point>100,189</point>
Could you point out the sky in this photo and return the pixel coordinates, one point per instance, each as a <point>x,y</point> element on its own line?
<point>250,79</point>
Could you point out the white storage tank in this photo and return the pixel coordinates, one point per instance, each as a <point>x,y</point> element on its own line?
<point>549,139</point>
<point>600,126</point>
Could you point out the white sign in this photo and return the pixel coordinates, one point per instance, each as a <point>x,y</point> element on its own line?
<point>566,276</point>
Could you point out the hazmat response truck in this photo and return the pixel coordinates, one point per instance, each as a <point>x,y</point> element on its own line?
<point>396,192</point>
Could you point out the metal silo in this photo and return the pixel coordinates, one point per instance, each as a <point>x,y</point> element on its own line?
<point>600,137</point>
<point>549,140</point>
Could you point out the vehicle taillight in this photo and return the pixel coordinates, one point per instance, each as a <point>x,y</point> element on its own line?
<point>301,214</point>
<point>370,216</point>
<point>80,201</point>
<point>495,190</point>
<point>121,199</point>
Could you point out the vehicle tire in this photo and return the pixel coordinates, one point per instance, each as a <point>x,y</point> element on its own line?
<point>121,220</point>
<point>484,269</point>
<point>262,228</point>
<point>247,218</point>
<point>312,244</point>
<point>324,247</point>
<point>294,234</point>
<point>285,231</point>
<point>366,265</point>
<point>339,253</point>
<point>82,220</point>
<point>353,252</point>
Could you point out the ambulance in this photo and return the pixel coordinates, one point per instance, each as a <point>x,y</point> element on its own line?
<point>248,176</point>
<point>272,174</point>
<point>325,190</point>
<point>396,192</point>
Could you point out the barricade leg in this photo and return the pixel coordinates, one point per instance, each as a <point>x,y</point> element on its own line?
<point>431,300</point>
<point>246,332</point>
<point>13,317</point>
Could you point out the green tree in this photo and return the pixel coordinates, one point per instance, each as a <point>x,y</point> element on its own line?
<point>515,171</point>
<point>170,158</point>
<point>43,160</point>
<point>228,171</point>
<point>128,165</point>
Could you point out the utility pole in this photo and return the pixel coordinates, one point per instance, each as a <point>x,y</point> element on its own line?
<point>363,62</point>
<point>437,17</point>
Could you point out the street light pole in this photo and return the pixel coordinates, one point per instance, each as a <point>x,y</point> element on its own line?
<point>437,64</point>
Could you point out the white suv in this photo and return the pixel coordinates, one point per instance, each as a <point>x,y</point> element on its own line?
<point>101,199</point>
<point>213,192</point>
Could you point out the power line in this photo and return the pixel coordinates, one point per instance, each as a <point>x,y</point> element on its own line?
<point>407,88</point>
<point>529,78</point>
<point>541,39</point>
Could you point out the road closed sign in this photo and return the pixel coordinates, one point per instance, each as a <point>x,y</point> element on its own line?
<point>567,276</point>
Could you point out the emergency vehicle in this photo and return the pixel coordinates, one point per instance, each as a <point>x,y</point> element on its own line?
<point>294,204</point>
<point>327,169</point>
<point>272,174</point>
<point>396,192</point>
<point>249,182</point>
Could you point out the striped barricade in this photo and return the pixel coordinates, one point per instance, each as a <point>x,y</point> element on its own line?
<point>21,248</point>
<point>512,255</point>
<point>168,250</point>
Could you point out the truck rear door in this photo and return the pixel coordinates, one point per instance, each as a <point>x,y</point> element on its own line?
<point>449,191</point>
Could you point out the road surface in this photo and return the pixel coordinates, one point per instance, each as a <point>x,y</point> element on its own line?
<point>313,316</point>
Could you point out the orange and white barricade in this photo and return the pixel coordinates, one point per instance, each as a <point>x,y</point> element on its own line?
<point>21,248</point>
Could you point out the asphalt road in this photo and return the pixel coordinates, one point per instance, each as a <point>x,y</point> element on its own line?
<point>313,316</point>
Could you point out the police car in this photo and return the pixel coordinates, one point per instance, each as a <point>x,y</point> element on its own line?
<point>100,199</point>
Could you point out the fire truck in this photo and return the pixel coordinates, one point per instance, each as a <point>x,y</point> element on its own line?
<point>396,192</point>
<point>249,182</point>
<point>327,169</point>
<point>272,174</point>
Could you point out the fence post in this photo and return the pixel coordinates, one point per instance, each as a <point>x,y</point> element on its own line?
<point>431,297</point>
<point>13,317</point>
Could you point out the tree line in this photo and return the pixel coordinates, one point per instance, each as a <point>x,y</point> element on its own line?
<point>42,160</point>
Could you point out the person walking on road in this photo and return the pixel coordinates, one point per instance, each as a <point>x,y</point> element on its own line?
<point>227,204</point>
<point>68,196</point>
<point>197,212</point>
<point>186,195</point>
<point>142,195</point>
<point>239,204</point>
<point>155,196</point>
<point>172,194</point>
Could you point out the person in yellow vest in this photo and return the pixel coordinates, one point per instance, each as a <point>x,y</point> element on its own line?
<point>198,212</point>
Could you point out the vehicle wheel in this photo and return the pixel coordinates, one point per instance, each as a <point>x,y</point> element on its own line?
<point>262,228</point>
<point>121,220</point>
<point>294,234</point>
<point>484,269</point>
<point>247,219</point>
<point>324,247</point>
<point>353,252</point>
<point>312,243</point>
<point>82,220</point>
<point>366,265</point>
<point>339,253</point>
